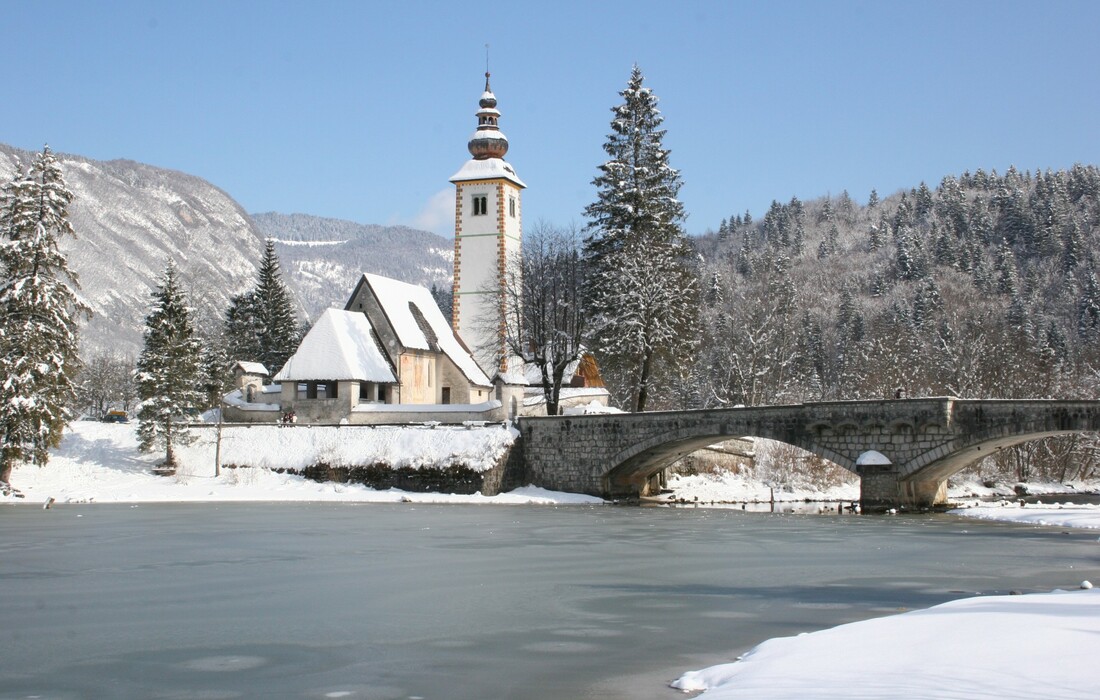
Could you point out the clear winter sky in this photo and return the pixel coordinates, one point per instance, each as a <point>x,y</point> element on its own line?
<point>362,110</point>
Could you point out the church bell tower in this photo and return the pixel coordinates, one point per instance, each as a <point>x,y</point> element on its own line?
<point>488,229</point>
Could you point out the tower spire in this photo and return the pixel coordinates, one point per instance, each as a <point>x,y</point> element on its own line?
<point>488,141</point>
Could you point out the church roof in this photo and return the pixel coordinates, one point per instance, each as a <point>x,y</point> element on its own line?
<point>487,169</point>
<point>420,325</point>
<point>340,346</point>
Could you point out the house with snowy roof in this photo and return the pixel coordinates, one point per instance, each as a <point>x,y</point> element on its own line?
<point>389,356</point>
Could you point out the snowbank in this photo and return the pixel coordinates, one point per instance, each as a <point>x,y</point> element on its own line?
<point>1034,646</point>
<point>1054,515</point>
<point>297,447</point>
<point>100,462</point>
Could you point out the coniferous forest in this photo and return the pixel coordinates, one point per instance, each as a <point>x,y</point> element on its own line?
<point>984,286</point>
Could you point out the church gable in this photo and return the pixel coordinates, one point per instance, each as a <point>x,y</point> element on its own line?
<point>408,321</point>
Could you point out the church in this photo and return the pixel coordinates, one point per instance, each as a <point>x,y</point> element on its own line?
<point>390,355</point>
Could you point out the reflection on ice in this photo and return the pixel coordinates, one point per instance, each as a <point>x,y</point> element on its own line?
<point>560,647</point>
<point>225,663</point>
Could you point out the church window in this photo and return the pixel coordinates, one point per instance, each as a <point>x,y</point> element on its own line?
<point>512,207</point>
<point>481,205</point>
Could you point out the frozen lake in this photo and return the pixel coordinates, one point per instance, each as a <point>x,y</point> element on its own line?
<point>453,602</point>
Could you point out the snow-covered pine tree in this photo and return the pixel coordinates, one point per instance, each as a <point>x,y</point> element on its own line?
<point>261,325</point>
<point>275,313</point>
<point>39,315</point>
<point>642,290</point>
<point>169,372</point>
<point>241,329</point>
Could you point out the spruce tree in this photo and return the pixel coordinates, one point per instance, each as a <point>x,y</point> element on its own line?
<point>242,334</point>
<point>169,372</point>
<point>641,290</point>
<point>1088,308</point>
<point>39,315</point>
<point>261,325</point>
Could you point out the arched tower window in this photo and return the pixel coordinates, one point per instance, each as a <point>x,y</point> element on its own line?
<point>481,205</point>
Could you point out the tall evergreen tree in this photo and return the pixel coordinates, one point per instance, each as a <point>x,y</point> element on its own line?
<point>261,325</point>
<point>1088,308</point>
<point>170,375</point>
<point>641,288</point>
<point>39,315</point>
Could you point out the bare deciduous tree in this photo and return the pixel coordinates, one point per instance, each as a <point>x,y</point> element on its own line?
<point>544,319</point>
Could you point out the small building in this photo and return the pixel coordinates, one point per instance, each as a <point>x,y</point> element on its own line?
<point>582,391</point>
<point>249,378</point>
<point>337,366</point>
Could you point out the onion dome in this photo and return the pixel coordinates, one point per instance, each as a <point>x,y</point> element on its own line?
<point>488,141</point>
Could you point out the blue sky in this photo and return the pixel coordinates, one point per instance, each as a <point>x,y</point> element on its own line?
<point>362,110</point>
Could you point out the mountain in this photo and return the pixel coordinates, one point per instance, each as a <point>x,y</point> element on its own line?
<point>324,258</point>
<point>131,218</point>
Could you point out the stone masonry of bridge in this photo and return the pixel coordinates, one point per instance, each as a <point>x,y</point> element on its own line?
<point>924,441</point>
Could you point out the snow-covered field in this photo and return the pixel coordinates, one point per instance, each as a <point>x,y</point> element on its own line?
<point>1011,647</point>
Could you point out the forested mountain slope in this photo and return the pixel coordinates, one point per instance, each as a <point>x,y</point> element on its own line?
<point>983,287</point>
<point>324,258</point>
<point>130,219</point>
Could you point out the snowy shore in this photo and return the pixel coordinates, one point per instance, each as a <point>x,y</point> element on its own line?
<point>1026,647</point>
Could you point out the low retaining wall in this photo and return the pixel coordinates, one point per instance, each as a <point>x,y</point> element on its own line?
<point>456,479</point>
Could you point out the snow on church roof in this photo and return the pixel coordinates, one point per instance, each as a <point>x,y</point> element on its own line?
<point>487,169</point>
<point>340,346</point>
<point>396,297</point>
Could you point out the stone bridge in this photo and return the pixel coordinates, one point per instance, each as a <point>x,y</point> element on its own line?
<point>903,450</point>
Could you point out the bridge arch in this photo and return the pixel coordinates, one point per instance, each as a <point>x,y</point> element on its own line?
<point>632,467</point>
<point>966,452</point>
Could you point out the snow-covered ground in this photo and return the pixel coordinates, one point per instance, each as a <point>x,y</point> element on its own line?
<point>1004,647</point>
<point>1054,514</point>
<point>100,463</point>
